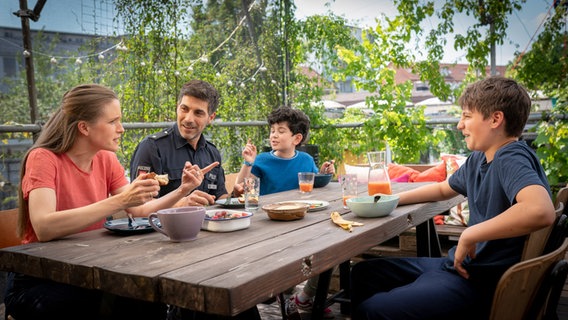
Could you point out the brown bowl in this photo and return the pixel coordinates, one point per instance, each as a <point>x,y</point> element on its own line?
<point>286,211</point>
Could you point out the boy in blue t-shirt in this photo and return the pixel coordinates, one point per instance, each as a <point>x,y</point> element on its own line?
<point>509,197</point>
<point>278,171</point>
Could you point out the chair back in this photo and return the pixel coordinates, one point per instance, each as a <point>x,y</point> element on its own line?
<point>536,241</point>
<point>562,197</point>
<point>8,227</point>
<point>518,287</point>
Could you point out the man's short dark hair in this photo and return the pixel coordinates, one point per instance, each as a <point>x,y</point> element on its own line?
<point>203,91</point>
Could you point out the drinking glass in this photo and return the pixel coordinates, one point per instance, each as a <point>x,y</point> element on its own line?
<point>252,193</point>
<point>306,181</point>
<point>348,187</point>
<point>379,181</point>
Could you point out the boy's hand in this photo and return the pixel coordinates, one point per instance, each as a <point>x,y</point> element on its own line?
<point>249,152</point>
<point>328,167</point>
<point>463,249</point>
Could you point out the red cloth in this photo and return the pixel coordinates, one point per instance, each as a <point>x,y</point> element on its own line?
<point>435,174</point>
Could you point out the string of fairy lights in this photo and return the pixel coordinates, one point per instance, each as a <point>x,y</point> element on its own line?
<point>204,58</point>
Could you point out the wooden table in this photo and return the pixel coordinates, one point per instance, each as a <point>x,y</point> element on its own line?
<point>219,273</point>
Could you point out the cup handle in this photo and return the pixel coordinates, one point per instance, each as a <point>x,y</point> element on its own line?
<point>153,216</point>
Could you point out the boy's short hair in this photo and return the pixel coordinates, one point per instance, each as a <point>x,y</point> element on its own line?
<point>499,94</point>
<point>203,91</point>
<point>298,121</point>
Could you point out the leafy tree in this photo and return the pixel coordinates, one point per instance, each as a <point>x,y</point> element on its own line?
<point>544,68</point>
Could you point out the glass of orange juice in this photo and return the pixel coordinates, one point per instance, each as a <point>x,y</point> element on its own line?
<point>306,181</point>
<point>379,181</point>
<point>348,187</point>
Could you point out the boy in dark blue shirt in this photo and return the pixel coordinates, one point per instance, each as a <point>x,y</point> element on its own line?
<point>509,197</point>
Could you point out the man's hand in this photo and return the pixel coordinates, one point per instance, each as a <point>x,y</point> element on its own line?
<point>198,198</point>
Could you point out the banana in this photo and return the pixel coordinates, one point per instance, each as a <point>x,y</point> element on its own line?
<point>344,224</point>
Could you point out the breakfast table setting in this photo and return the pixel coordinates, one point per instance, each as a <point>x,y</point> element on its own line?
<point>233,259</point>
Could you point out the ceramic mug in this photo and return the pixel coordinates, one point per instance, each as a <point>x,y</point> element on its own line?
<point>178,224</point>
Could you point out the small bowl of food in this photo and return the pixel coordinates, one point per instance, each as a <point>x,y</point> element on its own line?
<point>286,211</point>
<point>221,220</point>
<point>378,205</point>
<point>322,179</point>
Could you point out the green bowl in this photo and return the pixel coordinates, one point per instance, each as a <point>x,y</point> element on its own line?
<point>366,207</point>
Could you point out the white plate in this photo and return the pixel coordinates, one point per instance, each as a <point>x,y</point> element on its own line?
<point>315,205</point>
<point>225,225</point>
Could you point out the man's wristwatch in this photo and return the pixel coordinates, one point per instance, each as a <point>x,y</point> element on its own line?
<point>248,164</point>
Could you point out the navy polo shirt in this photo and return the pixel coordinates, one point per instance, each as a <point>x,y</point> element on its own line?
<point>166,153</point>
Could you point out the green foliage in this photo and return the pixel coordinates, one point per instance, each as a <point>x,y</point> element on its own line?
<point>254,53</point>
<point>544,68</point>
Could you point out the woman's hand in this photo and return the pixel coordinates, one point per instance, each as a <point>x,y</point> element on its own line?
<point>139,191</point>
<point>249,152</point>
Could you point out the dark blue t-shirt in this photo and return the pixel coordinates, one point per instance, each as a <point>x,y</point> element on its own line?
<point>491,188</point>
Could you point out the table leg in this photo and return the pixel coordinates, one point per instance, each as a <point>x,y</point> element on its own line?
<point>321,294</point>
<point>427,242</point>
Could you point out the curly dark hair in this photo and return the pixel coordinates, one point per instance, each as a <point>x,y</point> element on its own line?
<point>297,120</point>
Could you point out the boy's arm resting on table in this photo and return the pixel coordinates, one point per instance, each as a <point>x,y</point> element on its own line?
<point>432,192</point>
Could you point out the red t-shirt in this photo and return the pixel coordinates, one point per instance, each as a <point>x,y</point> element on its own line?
<point>73,187</point>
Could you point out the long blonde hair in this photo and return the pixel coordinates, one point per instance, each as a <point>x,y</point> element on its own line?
<point>81,103</point>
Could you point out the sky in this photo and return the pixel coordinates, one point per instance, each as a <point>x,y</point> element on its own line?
<point>77,16</point>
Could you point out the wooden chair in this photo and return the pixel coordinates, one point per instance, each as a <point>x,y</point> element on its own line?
<point>8,228</point>
<point>536,241</point>
<point>230,180</point>
<point>517,289</point>
<point>562,197</point>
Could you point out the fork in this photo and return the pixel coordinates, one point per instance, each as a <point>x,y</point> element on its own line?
<point>131,222</point>
<point>228,201</point>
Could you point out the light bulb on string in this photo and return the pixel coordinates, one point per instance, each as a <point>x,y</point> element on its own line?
<point>217,74</point>
<point>263,69</point>
<point>273,81</point>
<point>204,59</point>
<point>176,73</point>
<point>26,54</point>
<point>253,79</point>
<point>230,83</point>
<point>190,68</point>
<point>78,61</point>
<point>242,84</point>
<point>53,60</point>
<point>160,72</point>
<point>143,63</point>
<point>101,56</point>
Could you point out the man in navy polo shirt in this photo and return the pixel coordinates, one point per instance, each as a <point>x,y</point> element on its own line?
<point>167,151</point>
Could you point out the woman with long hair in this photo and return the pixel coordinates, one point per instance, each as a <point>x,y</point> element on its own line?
<point>71,180</point>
